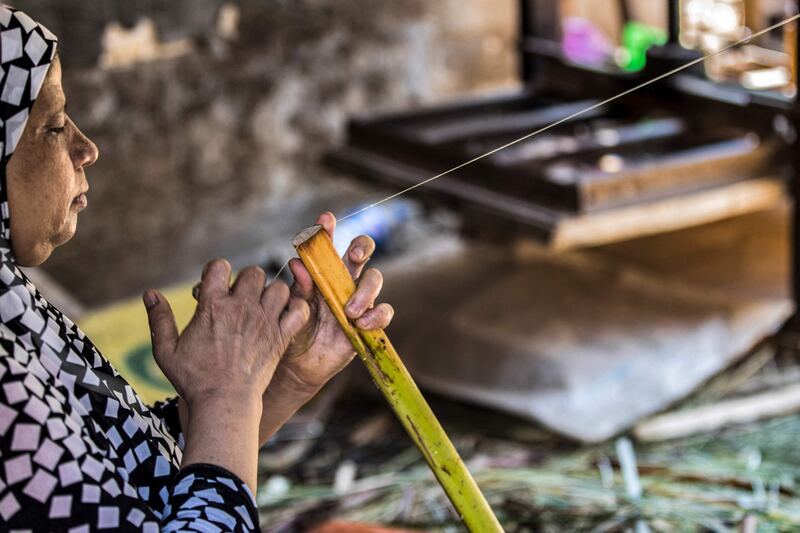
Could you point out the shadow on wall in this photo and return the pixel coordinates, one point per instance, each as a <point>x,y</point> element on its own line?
<point>211,116</point>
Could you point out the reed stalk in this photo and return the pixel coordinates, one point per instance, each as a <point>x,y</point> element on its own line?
<point>315,249</point>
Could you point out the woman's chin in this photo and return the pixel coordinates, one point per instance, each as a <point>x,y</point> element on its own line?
<point>33,258</point>
<point>44,251</point>
<point>69,231</point>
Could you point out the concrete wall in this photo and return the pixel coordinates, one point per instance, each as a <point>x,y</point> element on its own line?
<point>211,116</point>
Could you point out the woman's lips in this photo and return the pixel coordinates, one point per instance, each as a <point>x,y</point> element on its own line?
<point>80,201</point>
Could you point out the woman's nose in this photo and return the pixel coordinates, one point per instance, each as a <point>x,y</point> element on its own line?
<point>85,152</point>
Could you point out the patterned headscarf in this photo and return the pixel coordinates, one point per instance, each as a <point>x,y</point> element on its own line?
<point>27,50</point>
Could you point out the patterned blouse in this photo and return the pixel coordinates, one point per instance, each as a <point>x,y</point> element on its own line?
<point>77,459</point>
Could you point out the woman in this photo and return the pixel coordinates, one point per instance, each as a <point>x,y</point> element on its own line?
<point>79,449</point>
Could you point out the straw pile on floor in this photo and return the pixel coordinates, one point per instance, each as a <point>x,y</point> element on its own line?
<point>362,468</point>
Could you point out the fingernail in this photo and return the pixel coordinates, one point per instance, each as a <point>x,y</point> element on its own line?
<point>150,300</point>
<point>359,253</point>
<point>353,309</point>
<point>363,323</point>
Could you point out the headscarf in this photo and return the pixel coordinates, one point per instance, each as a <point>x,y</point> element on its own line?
<point>39,339</point>
<point>27,50</point>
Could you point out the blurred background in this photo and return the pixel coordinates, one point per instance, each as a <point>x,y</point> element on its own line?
<point>211,117</point>
<point>602,314</point>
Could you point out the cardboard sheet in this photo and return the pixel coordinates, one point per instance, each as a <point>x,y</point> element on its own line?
<point>588,343</point>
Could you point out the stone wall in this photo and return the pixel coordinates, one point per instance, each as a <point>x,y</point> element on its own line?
<point>211,117</point>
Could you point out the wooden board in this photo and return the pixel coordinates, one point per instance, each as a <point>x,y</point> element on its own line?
<point>671,214</point>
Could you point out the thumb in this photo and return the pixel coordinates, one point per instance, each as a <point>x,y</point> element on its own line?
<point>293,319</point>
<point>163,329</point>
<point>303,286</point>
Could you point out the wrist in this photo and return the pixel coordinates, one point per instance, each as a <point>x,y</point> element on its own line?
<point>241,407</point>
<point>288,383</point>
<point>284,396</point>
<point>224,432</point>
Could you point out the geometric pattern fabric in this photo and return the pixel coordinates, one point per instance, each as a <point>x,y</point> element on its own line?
<point>79,450</point>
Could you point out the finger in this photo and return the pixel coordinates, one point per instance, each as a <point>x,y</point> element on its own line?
<point>369,287</point>
<point>303,286</point>
<point>163,329</point>
<point>216,280</point>
<point>328,221</point>
<point>250,283</point>
<point>275,297</point>
<point>357,255</point>
<point>294,318</point>
<point>378,318</point>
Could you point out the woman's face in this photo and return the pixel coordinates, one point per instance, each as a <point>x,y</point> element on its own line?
<point>45,178</point>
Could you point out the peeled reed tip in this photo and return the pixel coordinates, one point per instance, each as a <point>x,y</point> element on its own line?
<point>305,235</point>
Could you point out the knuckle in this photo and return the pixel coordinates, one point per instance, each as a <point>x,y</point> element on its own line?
<point>366,244</point>
<point>374,275</point>
<point>215,308</point>
<point>301,314</point>
<point>279,289</point>
<point>362,240</point>
<point>218,264</point>
<point>254,271</point>
<point>369,247</point>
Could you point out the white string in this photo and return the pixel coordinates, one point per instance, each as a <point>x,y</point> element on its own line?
<point>579,113</point>
<point>280,271</point>
<point>559,122</point>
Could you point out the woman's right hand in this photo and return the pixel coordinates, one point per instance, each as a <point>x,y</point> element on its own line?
<point>223,361</point>
<point>235,340</point>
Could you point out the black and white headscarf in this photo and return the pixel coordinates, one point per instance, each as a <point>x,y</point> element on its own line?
<point>79,450</point>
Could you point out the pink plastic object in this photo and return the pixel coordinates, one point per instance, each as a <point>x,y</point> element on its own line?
<point>584,42</point>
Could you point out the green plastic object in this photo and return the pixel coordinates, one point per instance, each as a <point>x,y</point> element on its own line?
<point>637,39</point>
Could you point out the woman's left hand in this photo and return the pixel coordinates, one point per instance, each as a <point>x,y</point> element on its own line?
<point>321,350</point>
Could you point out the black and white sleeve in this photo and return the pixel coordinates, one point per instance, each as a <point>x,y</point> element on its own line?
<point>59,473</point>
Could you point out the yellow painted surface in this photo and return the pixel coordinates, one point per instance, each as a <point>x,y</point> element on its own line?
<point>121,333</point>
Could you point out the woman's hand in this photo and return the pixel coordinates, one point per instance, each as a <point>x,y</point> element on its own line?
<point>321,350</point>
<point>223,361</point>
<point>234,342</point>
